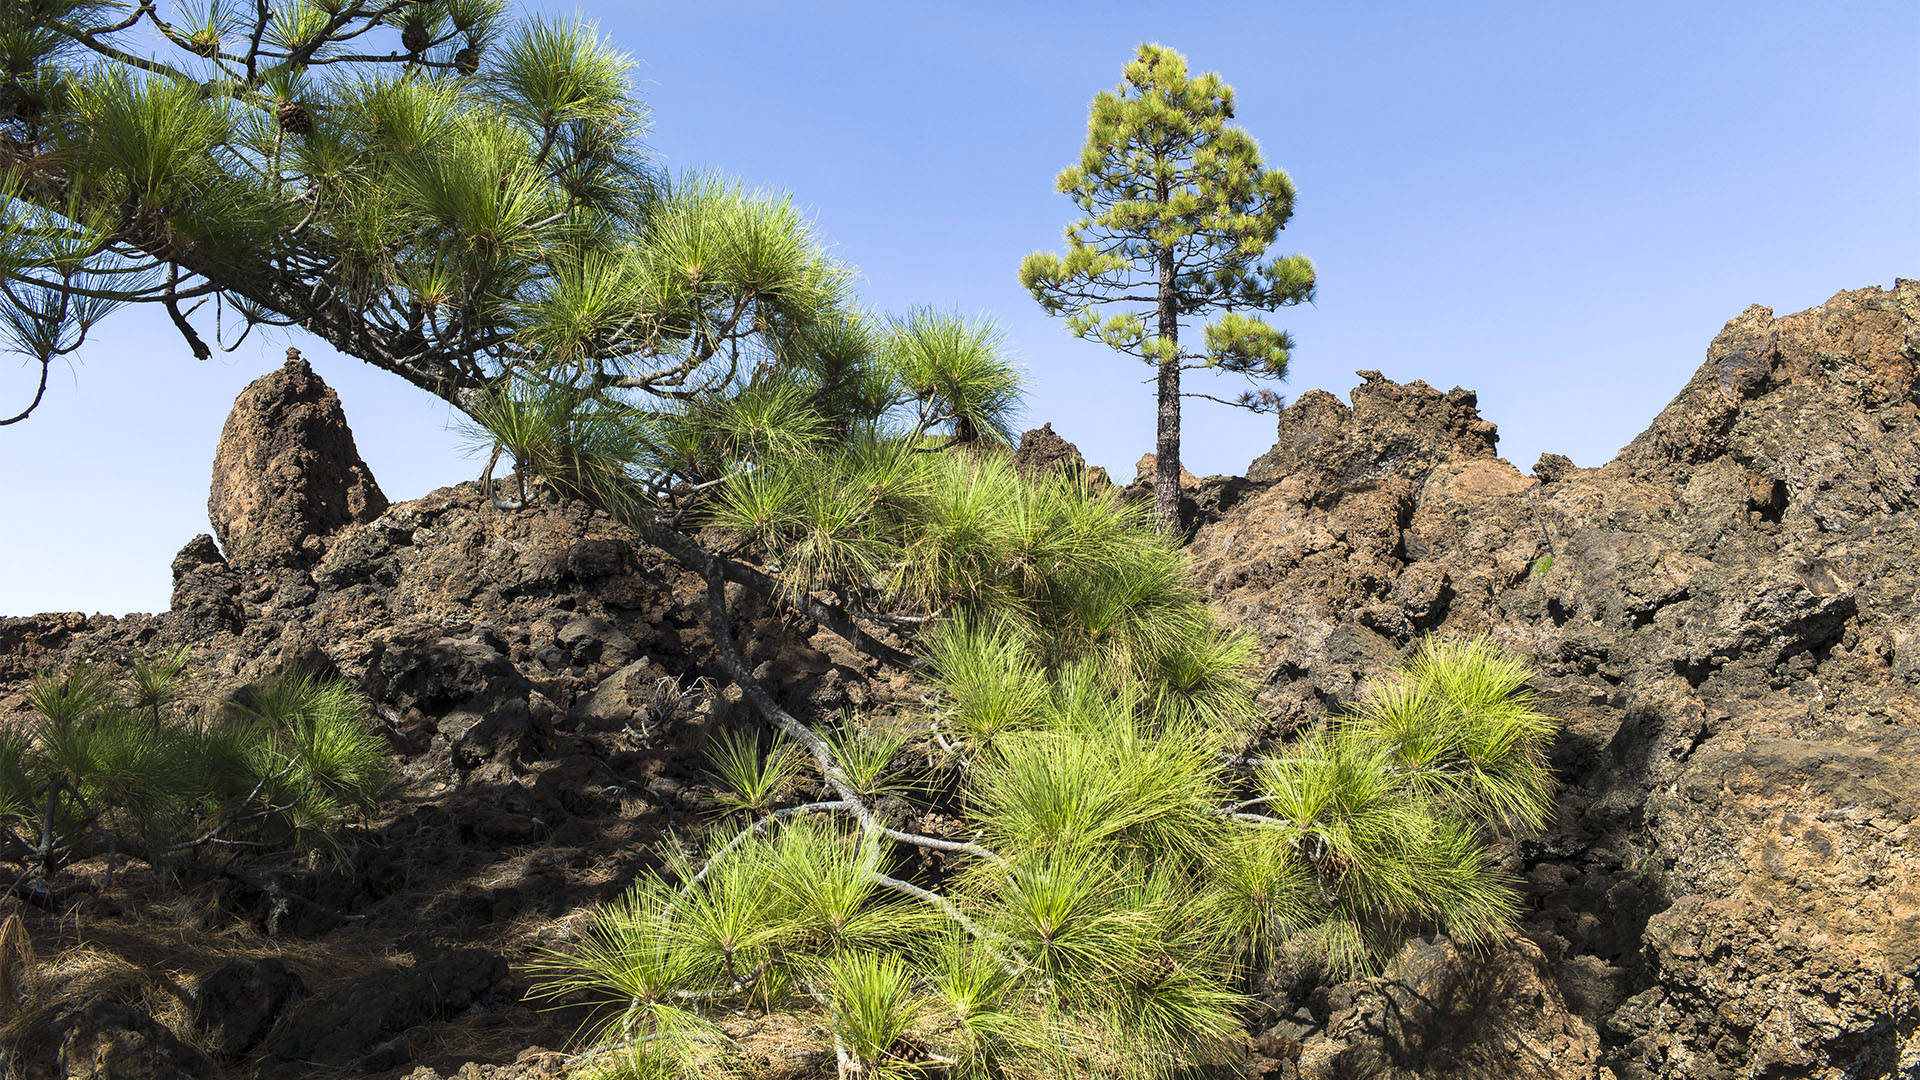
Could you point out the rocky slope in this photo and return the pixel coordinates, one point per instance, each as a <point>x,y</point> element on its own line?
<point>1724,617</point>
<point>1727,617</point>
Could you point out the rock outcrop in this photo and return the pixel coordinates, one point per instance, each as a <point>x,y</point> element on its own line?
<point>1724,618</point>
<point>1042,449</point>
<point>287,474</point>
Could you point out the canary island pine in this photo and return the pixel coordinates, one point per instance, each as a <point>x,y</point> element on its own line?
<point>147,772</point>
<point>1179,214</point>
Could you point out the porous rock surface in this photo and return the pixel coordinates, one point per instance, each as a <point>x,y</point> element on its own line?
<point>1724,619</point>
<point>286,473</point>
<point>1727,619</point>
<point>549,690</point>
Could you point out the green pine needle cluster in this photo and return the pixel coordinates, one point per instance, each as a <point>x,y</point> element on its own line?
<point>1120,884</point>
<point>144,770</point>
<point>1112,885</point>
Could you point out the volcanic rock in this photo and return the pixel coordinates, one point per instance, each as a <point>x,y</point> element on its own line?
<point>112,1041</point>
<point>235,1004</point>
<point>376,1011</point>
<point>1041,449</point>
<point>1443,1012</point>
<point>1722,618</point>
<point>286,473</point>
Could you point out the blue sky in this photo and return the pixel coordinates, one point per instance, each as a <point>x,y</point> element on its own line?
<point>1557,205</point>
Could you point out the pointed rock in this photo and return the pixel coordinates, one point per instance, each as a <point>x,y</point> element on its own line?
<point>287,473</point>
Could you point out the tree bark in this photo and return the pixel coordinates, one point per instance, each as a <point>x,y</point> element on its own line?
<point>1166,451</point>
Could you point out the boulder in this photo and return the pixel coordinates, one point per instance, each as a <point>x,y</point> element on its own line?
<point>206,592</point>
<point>287,474</point>
<point>108,1040</point>
<point>1439,1012</point>
<point>235,1004</point>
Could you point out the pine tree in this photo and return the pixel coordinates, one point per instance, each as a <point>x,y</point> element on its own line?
<point>145,771</point>
<point>1179,214</point>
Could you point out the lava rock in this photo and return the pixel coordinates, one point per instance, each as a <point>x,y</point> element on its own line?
<point>286,471</point>
<point>346,1027</point>
<point>236,1004</point>
<point>111,1041</point>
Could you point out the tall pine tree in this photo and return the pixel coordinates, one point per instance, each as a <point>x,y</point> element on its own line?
<point>1179,214</point>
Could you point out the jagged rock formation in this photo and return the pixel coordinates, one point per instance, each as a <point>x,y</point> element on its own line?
<point>286,473</point>
<point>1042,449</point>
<point>549,689</point>
<point>1724,617</point>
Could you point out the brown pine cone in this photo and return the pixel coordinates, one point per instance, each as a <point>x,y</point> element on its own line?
<point>294,119</point>
<point>466,61</point>
<point>413,37</point>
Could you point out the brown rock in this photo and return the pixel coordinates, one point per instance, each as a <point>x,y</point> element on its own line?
<point>287,471</point>
<point>1390,429</point>
<point>1143,471</point>
<point>1041,449</point>
<point>1442,1012</point>
<point>1722,618</point>
<point>111,1041</point>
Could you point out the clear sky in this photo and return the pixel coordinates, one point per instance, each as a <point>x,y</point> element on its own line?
<point>1555,204</point>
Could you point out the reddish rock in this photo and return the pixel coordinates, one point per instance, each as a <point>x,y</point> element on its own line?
<point>1723,618</point>
<point>287,473</point>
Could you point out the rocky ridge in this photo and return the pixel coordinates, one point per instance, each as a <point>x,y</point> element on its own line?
<point>1723,617</point>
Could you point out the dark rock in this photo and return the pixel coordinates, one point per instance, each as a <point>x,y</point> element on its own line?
<point>1722,619</point>
<point>1041,450</point>
<point>481,699</point>
<point>1442,1012</point>
<point>625,698</point>
<point>344,1028</point>
<point>198,553</point>
<point>286,472</point>
<point>206,591</point>
<point>111,1041</point>
<point>236,1004</point>
<point>590,640</point>
<point>1744,987</point>
<point>1552,468</point>
<point>1390,430</point>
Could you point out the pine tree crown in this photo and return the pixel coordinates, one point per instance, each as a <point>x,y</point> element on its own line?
<point>1165,181</point>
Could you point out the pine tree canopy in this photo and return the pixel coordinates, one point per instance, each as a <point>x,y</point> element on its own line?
<point>1180,213</point>
<point>432,187</point>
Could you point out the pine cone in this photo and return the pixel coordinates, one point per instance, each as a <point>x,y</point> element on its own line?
<point>413,37</point>
<point>294,119</point>
<point>466,61</point>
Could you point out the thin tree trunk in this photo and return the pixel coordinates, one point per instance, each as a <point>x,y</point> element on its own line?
<point>1166,452</point>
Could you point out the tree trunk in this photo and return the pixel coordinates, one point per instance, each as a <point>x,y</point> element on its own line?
<point>1166,450</point>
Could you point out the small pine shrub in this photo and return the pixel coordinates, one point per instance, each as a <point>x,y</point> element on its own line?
<point>102,769</point>
<point>1119,885</point>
